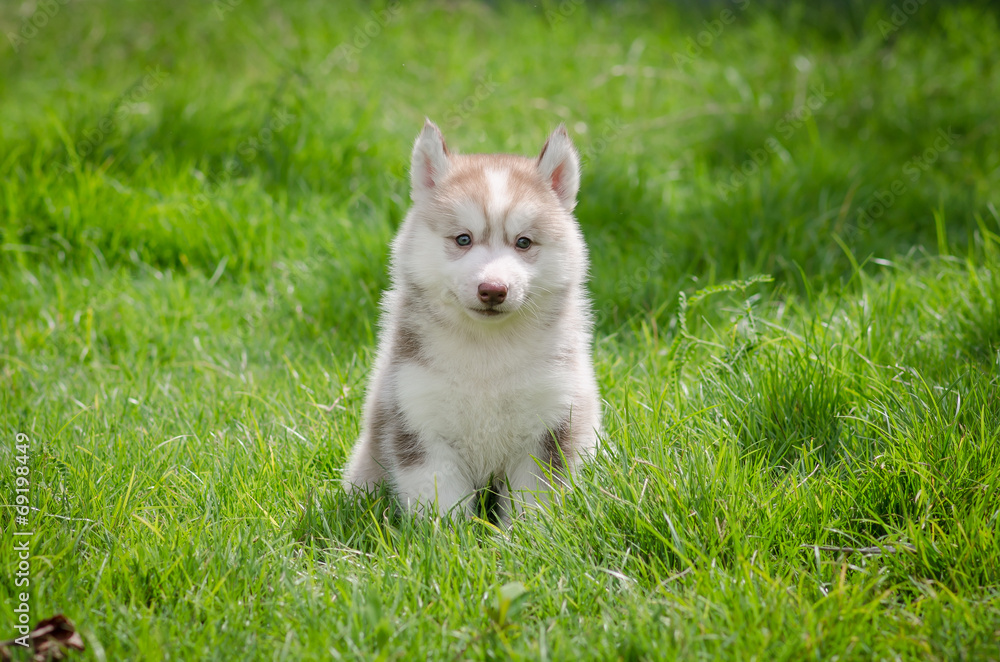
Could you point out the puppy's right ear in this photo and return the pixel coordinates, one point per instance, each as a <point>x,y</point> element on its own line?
<point>430,162</point>
<point>559,165</point>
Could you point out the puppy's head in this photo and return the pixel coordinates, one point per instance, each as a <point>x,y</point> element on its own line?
<point>491,238</point>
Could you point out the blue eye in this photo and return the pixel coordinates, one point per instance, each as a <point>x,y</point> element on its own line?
<point>523,243</point>
<point>463,240</point>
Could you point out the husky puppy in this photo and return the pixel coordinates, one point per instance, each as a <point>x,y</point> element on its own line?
<point>483,378</point>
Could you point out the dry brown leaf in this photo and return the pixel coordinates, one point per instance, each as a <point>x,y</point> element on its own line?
<point>51,639</point>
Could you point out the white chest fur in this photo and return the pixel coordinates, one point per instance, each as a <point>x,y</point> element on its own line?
<point>490,409</point>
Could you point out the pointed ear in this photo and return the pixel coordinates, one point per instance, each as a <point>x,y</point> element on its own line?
<point>430,161</point>
<point>559,165</point>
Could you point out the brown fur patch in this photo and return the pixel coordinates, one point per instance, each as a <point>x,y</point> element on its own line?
<point>389,432</point>
<point>407,345</point>
<point>409,451</point>
<point>557,444</point>
<point>377,428</point>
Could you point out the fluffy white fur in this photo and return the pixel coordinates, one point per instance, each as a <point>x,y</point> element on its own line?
<point>484,376</point>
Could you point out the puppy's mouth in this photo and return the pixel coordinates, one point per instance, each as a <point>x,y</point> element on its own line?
<point>488,312</point>
<point>483,311</point>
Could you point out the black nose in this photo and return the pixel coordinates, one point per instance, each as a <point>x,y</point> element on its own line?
<point>492,293</point>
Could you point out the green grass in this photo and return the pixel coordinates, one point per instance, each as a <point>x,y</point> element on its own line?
<point>187,319</point>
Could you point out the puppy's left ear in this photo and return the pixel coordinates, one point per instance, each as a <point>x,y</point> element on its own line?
<point>559,165</point>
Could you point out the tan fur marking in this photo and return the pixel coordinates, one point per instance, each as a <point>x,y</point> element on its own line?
<point>407,344</point>
<point>409,452</point>
<point>380,424</point>
<point>557,444</point>
<point>467,180</point>
<point>390,432</point>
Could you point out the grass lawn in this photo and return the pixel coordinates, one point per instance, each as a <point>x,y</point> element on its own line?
<point>794,220</point>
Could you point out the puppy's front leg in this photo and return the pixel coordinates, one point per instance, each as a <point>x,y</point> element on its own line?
<point>439,484</point>
<point>525,487</point>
